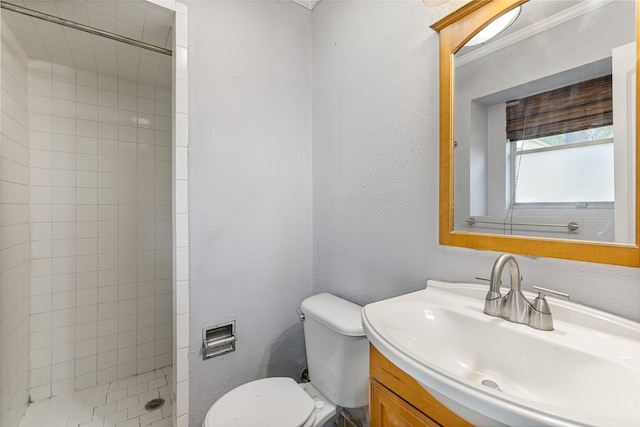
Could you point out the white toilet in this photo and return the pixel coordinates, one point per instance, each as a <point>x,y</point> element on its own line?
<point>338,361</point>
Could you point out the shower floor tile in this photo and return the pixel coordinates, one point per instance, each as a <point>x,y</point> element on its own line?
<point>117,404</point>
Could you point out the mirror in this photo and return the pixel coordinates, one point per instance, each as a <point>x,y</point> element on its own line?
<point>538,132</point>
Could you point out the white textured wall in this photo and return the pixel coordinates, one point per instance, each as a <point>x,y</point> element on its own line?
<point>249,189</point>
<point>14,233</point>
<point>375,126</point>
<point>375,131</point>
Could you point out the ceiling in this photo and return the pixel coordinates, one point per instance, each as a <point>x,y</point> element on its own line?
<point>135,19</point>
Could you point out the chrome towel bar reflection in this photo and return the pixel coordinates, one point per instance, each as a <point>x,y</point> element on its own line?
<point>572,226</point>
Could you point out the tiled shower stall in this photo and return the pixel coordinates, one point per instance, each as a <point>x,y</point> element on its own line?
<point>100,228</point>
<point>88,216</point>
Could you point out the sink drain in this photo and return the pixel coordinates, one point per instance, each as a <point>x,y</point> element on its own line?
<point>491,384</point>
<point>154,404</point>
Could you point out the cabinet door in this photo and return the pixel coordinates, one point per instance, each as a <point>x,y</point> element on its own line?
<point>389,410</point>
<point>398,382</point>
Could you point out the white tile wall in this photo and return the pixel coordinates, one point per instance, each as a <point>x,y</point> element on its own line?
<point>99,201</point>
<point>135,19</point>
<point>14,236</point>
<point>101,228</point>
<point>181,218</point>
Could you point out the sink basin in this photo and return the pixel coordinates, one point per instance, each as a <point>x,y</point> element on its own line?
<point>493,372</point>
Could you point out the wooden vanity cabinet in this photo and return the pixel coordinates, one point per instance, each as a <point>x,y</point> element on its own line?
<point>397,400</point>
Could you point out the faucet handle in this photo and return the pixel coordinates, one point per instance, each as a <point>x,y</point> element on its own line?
<point>540,317</point>
<point>544,291</point>
<point>493,300</point>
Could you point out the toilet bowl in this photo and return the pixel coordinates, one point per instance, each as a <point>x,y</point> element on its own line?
<point>338,360</point>
<point>271,402</point>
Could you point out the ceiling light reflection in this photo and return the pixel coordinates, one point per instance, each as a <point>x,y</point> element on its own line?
<point>496,27</point>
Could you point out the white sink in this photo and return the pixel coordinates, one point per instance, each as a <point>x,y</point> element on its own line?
<point>584,372</point>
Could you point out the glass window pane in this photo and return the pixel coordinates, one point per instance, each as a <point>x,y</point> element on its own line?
<point>573,175</point>
<point>593,134</point>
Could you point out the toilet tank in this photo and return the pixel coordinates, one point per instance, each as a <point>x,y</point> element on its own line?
<point>337,349</point>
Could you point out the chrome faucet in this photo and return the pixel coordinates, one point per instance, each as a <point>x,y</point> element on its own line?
<point>514,306</point>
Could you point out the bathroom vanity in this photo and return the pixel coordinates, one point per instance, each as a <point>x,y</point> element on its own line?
<point>436,353</point>
<point>396,399</point>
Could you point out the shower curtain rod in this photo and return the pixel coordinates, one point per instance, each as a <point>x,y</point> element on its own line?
<point>65,22</point>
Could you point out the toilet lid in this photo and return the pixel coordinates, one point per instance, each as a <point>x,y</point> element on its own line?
<point>276,402</point>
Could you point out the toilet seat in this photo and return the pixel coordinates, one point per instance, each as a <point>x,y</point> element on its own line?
<point>275,402</point>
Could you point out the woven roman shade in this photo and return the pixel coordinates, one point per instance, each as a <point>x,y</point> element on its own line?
<point>579,106</point>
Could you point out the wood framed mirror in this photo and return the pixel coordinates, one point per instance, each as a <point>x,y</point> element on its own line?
<point>458,205</point>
